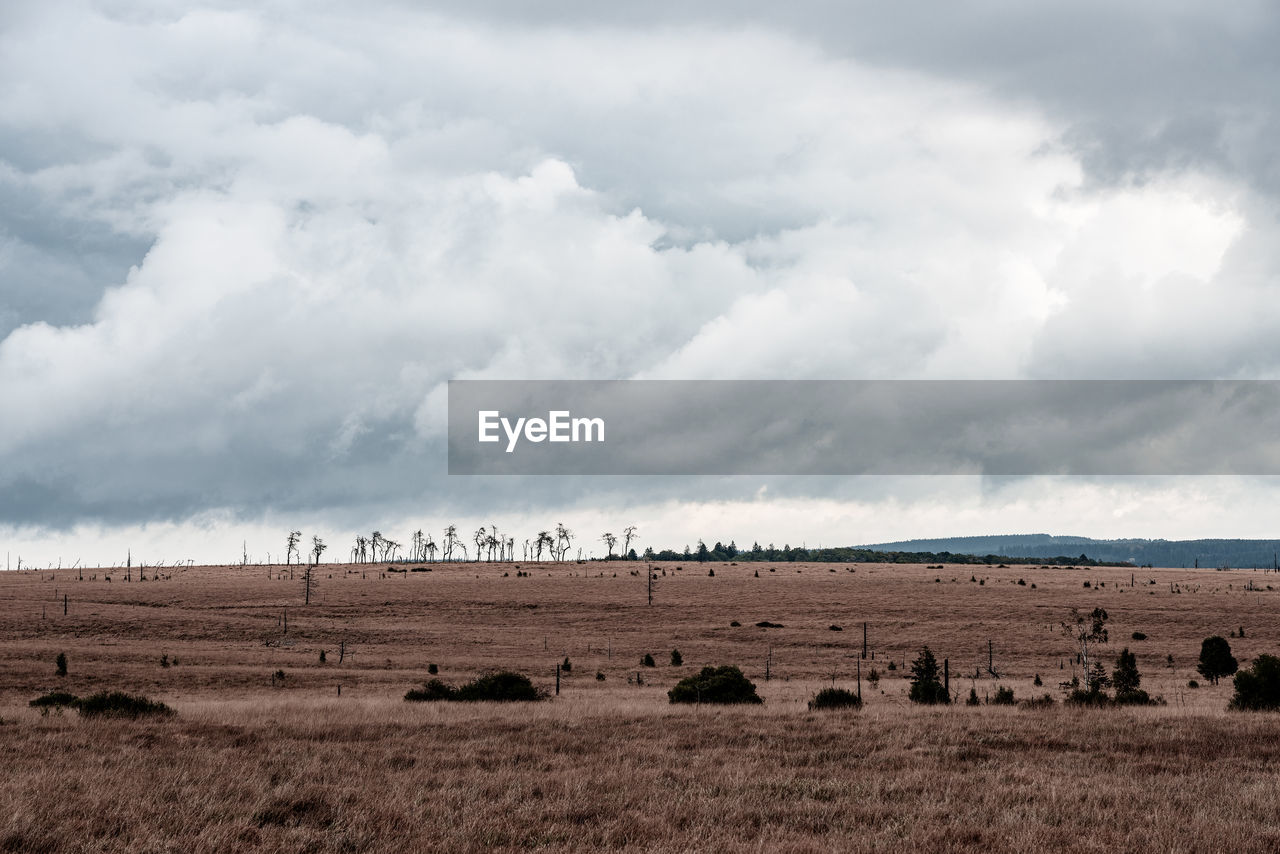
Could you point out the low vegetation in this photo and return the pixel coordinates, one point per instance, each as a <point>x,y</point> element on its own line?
<point>1258,687</point>
<point>54,699</point>
<point>505,686</point>
<point>835,698</point>
<point>118,704</point>
<point>724,684</point>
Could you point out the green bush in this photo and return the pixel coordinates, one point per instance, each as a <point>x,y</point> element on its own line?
<point>118,704</point>
<point>835,698</point>
<point>1258,687</point>
<point>55,698</point>
<point>677,659</point>
<point>1003,697</point>
<point>61,664</point>
<point>1136,697</point>
<point>648,661</point>
<point>724,684</point>
<point>502,687</point>
<point>433,690</point>
<point>1081,697</point>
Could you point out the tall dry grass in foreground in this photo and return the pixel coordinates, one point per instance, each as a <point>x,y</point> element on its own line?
<point>377,776</point>
<point>609,765</point>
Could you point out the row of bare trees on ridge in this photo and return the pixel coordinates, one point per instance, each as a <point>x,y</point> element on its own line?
<point>490,544</point>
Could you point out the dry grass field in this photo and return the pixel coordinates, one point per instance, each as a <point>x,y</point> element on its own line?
<point>252,762</point>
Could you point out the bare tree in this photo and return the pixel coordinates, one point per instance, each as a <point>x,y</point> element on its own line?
<point>291,546</point>
<point>317,546</point>
<point>478,538</point>
<point>544,540</point>
<point>609,541</point>
<point>308,580</point>
<point>564,540</point>
<point>429,548</point>
<point>450,540</point>
<point>1085,629</point>
<point>628,534</point>
<point>491,541</point>
<point>375,543</point>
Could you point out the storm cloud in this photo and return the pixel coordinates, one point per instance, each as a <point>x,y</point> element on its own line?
<point>244,247</point>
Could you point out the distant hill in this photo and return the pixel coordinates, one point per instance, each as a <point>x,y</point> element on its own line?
<point>1181,553</point>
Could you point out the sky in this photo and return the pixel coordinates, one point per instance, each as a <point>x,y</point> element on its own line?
<point>244,247</point>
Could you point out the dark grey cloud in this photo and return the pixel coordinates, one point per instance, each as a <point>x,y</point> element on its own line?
<point>1144,87</point>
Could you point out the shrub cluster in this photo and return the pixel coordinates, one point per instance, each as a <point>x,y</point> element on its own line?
<point>118,704</point>
<point>1124,678</point>
<point>724,684</point>
<point>112,704</point>
<point>835,698</point>
<point>504,686</point>
<point>1259,686</point>
<point>1003,697</point>
<point>1042,702</point>
<point>55,699</point>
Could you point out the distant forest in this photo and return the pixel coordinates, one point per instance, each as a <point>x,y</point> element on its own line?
<point>1207,554</point>
<point>852,554</point>
<point>1036,549</point>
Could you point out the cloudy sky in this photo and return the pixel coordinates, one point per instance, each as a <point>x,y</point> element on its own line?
<point>244,246</point>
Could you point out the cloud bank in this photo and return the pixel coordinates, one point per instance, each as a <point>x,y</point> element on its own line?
<point>242,248</point>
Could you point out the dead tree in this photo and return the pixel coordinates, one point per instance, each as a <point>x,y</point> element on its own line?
<point>544,540</point>
<point>291,547</point>
<point>564,541</point>
<point>1085,629</point>
<point>450,541</point>
<point>628,534</point>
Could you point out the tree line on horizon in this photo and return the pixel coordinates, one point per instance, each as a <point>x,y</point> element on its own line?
<point>851,554</point>
<point>490,544</point>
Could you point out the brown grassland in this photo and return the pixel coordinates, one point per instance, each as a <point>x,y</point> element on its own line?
<point>253,763</point>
